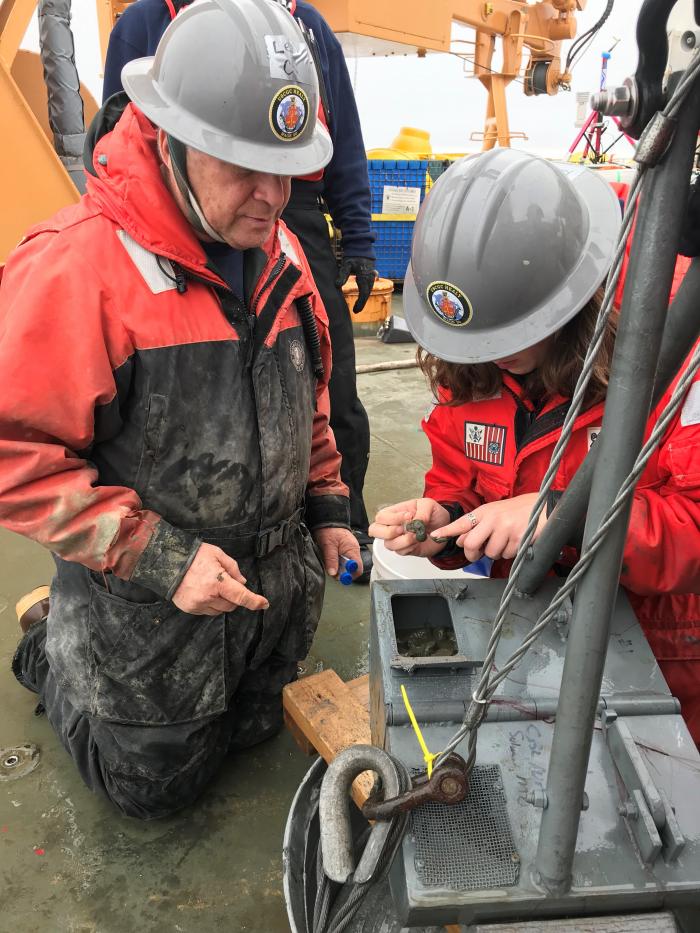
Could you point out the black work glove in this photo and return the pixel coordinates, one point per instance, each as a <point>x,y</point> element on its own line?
<point>365,274</point>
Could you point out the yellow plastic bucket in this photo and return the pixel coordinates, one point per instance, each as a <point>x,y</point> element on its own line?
<point>395,155</point>
<point>414,141</point>
<point>378,307</point>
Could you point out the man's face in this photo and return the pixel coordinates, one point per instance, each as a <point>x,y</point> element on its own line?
<point>241,205</point>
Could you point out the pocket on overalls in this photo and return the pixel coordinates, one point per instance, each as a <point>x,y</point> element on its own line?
<point>153,664</point>
<point>298,635</point>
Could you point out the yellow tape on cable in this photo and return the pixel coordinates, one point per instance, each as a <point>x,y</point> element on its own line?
<point>427,755</point>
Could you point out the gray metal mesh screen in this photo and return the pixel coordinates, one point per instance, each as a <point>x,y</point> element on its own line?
<point>468,846</point>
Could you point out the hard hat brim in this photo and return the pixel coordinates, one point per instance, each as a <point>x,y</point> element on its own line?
<point>482,344</point>
<point>297,158</point>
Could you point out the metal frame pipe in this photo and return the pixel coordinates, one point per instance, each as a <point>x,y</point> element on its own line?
<point>680,334</point>
<point>506,709</point>
<point>629,396</point>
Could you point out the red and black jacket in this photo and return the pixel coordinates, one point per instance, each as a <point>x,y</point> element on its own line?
<point>143,407</point>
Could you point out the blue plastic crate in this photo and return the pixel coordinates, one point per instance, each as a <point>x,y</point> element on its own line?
<point>402,174</point>
<point>393,237</point>
<point>393,247</point>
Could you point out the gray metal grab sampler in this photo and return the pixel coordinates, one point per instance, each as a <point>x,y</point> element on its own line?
<point>584,793</point>
<point>638,846</point>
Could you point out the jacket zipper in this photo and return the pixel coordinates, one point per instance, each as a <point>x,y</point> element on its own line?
<point>252,316</point>
<point>274,273</point>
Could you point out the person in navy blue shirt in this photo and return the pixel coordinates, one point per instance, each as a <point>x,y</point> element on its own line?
<point>342,189</point>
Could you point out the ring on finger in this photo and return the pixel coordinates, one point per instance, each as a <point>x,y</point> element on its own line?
<point>473,519</point>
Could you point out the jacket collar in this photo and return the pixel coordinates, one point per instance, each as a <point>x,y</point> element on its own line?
<point>514,387</point>
<point>124,177</point>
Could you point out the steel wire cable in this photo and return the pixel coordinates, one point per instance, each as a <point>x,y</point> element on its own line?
<point>324,920</point>
<point>489,681</point>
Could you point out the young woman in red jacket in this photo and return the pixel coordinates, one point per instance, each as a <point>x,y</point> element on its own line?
<point>503,292</point>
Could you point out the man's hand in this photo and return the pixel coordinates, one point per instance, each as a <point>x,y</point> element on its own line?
<point>365,274</point>
<point>336,543</point>
<point>389,525</point>
<point>494,529</point>
<point>214,584</point>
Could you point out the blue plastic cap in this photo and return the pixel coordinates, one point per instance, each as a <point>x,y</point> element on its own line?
<point>345,578</point>
<point>481,567</point>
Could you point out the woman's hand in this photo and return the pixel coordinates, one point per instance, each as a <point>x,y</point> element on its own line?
<point>494,529</point>
<point>389,525</point>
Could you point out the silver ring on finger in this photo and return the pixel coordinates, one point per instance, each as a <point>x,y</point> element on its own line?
<point>473,519</point>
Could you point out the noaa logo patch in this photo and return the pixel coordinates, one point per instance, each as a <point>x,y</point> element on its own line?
<point>289,113</point>
<point>297,355</point>
<point>449,303</point>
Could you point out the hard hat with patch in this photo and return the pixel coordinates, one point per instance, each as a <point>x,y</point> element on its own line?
<point>235,79</point>
<point>507,248</point>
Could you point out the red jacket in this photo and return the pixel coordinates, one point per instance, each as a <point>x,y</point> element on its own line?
<point>621,189</point>
<point>476,460</point>
<point>127,421</point>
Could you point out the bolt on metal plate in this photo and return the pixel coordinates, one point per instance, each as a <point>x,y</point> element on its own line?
<point>17,762</point>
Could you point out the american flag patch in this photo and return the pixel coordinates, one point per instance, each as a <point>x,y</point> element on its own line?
<point>485,442</point>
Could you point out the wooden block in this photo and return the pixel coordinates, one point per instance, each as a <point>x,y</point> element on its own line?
<point>325,711</point>
<point>359,687</point>
<point>298,736</point>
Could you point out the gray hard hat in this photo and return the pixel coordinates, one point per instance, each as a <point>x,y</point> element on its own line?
<point>235,79</point>
<point>507,248</point>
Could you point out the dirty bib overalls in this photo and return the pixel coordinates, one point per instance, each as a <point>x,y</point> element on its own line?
<point>216,438</point>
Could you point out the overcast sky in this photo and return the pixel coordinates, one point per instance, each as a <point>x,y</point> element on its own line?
<point>433,93</point>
